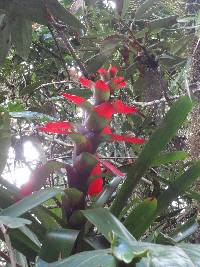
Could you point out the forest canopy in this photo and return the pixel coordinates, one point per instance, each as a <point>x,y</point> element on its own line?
<point>99,133</point>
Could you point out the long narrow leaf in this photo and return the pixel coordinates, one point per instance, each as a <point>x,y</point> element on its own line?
<point>159,139</point>
<point>30,202</point>
<point>141,217</point>
<point>58,243</point>
<point>95,258</point>
<point>178,187</point>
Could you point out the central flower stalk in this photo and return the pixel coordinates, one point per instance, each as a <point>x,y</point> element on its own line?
<point>85,173</point>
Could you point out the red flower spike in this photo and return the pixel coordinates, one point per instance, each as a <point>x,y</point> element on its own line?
<point>104,110</point>
<point>119,82</point>
<point>118,79</point>
<point>96,171</point>
<point>122,84</point>
<point>115,137</point>
<point>74,98</point>
<point>85,82</point>
<point>120,107</point>
<point>135,140</point>
<point>101,71</point>
<point>60,127</point>
<point>26,189</point>
<point>95,187</point>
<point>101,85</point>
<point>107,130</point>
<point>113,71</point>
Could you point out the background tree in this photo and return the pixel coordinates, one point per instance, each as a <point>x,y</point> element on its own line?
<point>46,46</point>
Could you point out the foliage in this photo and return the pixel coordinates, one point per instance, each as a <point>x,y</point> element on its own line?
<point>103,93</point>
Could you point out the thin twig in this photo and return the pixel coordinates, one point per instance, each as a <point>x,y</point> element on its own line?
<point>159,101</point>
<point>56,140</point>
<point>53,83</point>
<point>59,51</point>
<point>154,102</point>
<point>7,259</point>
<point>9,246</point>
<point>101,157</point>
<point>73,53</point>
<point>61,35</point>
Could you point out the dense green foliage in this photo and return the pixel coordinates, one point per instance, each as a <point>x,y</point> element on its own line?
<point>147,217</point>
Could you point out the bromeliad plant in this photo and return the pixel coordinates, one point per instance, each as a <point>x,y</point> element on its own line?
<point>70,239</point>
<point>85,174</point>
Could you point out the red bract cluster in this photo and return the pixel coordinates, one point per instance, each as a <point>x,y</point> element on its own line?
<point>85,82</point>
<point>74,98</point>
<point>95,181</point>
<point>92,130</point>
<point>101,85</point>
<point>116,137</point>
<point>60,127</point>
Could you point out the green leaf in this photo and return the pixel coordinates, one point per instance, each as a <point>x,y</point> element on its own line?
<point>5,139</point>
<point>95,62</point>
<point>130,70</point>
<point>24,241</point>
<point>100,258</point>
<point>162,23</point>
<point>181,44</point>
<point>145,6</point>
<point>159,139</point>
<point>63,14</point>
<point>71,199</point>
<point>5,37</point>
<point>15,106</point>
<point>125,247</point>
<point>106,223</point>
<point>21,34</point>
<point>30,88</point>
<point>160,238</point>
<point>58,243</point>
<point>125,8</point>
<point>30,115</point>
<point>163,158</point>
<point>37,11</point>
<point>108,191</point>
<point>106,49</point>
<point>130,205</point>
<point>171,61</point>
<point>123,251</point>
<point>30,202</point>
<point>48,219</point>
<point>185,230</point>
<point>141,217</point>
<point>193,251</point>
<point>13,222</point>
<point>21,259</point>
<point>194,195</point>
<point>185,255</point>
<point>165,256</point>
<point>78,138</point>
<point>144,89</point>
<point>170,157</point>
<point>178,187</point>
<point>154,255</point>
